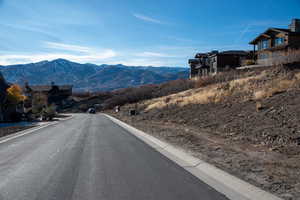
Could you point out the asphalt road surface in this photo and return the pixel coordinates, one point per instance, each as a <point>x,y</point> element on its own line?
<point>91,158</point>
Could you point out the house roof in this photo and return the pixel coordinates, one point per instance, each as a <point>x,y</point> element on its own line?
<point>235,52</point>
<point>231,53</point>
<point>199,55</point>
<point>46,88</point>
<point>194,61</point>
<point>265,34</point>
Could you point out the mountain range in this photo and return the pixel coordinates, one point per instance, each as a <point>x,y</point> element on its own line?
<point>90,77</point>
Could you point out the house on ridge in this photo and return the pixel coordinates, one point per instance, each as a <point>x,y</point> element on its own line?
<point>273,45</point>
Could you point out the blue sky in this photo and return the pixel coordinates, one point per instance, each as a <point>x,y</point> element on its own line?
<point>133,32</point>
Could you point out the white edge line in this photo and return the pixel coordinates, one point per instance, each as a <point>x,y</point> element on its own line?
<point>29,131</point>
<point>225,183</point>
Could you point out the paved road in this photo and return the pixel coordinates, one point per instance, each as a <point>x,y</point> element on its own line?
<point>91,158</point>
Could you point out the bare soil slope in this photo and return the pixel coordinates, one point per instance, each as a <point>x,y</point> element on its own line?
<point>248,126</point>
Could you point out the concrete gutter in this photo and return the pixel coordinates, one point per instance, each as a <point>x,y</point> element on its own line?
<point>229,185</point>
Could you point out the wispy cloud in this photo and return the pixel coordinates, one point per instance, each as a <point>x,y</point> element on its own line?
<point>243,32</point>
<point>37,30</point>
<point>98,58</point>
<point>148,19</point>
<point>67,47</point>
<point>250,27</point>
<point>75,53</point>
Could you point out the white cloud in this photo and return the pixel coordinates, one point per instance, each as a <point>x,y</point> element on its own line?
<point>97,57</point>
<point>147,19</point>
<point>86,54</point>
<point>76,53</point>
<point>67,47</point>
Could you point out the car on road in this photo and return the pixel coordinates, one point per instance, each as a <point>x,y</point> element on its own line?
<point>91,111</point>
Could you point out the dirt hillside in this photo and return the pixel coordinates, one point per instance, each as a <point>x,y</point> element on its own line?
<point>248,126</point>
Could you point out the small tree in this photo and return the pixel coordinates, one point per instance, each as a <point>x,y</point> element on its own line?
<point>14,94</point>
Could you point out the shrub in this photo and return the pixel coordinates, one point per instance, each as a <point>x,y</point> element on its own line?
<point>49,112</point>
<point>14,94</point>
<point>39,101</point>
<point>249,62</point>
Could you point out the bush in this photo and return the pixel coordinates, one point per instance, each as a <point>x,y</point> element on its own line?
<point>14,94</point>
<point>249,62</point>
<point>38,103</point>
<point>49,112</point>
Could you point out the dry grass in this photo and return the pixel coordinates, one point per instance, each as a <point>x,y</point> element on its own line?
<point>297,75</point>
<point>209,94</point>
<point>275,88</point>
<point>254,87</point>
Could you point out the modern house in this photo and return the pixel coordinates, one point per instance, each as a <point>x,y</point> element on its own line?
<point>274,44</point>
<point>47,94</point>
<point>213,62</point>
<point>200,65</point>
<point>227,60</point>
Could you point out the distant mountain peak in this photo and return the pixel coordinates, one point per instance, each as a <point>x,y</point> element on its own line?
<point>42,62</point>
<point>89,76</point>
<point>61,60</point>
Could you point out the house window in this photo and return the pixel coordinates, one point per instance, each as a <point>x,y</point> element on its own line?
<point>279,41</point>
<point>264,44</point>
<point>259,45</point>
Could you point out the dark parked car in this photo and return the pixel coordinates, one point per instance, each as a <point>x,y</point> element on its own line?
<point>91,111</point>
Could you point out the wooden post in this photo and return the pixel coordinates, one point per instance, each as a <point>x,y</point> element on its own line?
<point>254,51</point>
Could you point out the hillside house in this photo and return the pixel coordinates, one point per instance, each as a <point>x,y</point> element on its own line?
<point>213,62</point>
<point>199,66</point>
<point>227,60</point>
<point>274,44</point>
<point>47,94</point>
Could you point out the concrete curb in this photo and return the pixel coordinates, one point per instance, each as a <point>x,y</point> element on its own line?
<point>231,186</point>
<point>30,130</point>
